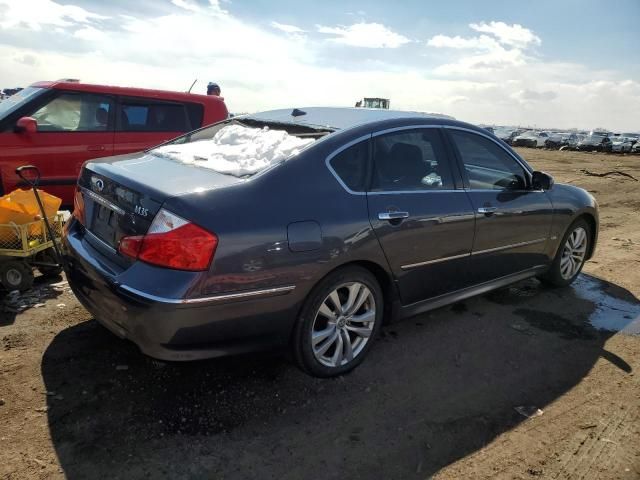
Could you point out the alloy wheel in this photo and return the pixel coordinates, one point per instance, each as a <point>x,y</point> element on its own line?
<point>343,324</point>
<point>573,253</point>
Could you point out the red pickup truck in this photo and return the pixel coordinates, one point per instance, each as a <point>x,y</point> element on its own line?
<point>57,126</point>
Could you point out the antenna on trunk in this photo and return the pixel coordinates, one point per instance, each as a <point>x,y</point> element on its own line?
<point>194,82</point>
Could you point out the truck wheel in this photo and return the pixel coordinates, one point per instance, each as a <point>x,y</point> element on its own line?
<point>49,257</point>
<point>16,275</point>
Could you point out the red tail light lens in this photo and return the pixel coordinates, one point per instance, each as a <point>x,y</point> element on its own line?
<point>172,242</point>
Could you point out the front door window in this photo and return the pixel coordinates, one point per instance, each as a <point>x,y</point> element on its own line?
<point>75,112</point>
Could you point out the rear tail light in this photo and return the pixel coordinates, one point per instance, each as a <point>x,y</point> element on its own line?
<point>172,242</point>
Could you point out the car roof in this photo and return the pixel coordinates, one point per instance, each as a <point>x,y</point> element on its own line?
<point>339,118</point>
<point>128,91</point>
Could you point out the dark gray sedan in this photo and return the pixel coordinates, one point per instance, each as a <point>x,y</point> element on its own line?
<point>309,228</point>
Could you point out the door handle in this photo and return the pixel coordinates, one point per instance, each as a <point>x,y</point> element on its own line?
<point>487,210</point>
<point>96,148</point>
<point>392,215</point>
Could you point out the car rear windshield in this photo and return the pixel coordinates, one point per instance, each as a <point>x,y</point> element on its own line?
<point>15,101</point>
<point>240,147</point>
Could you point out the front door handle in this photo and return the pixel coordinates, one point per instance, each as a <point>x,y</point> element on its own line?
<point>487,210</point>
<point>96,148</point>
<point>392,215</point>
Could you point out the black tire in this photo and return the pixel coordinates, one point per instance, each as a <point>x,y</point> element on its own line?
<point>553,276</point>
<point>48,256</point>
<point>16,275</point>
<point>302,335</point>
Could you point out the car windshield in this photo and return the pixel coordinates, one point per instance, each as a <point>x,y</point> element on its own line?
<point>15,101</point>
<point>240,147</point>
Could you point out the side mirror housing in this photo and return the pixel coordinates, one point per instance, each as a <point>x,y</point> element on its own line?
<point>26,125</point>
<point>541,181</point>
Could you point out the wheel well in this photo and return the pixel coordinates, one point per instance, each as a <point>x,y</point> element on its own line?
<point>386,284</point>
<point>592,227</point>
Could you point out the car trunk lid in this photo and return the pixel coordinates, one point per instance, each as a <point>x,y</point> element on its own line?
<point>121,195</point>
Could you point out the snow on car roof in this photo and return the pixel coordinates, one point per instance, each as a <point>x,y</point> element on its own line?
<point>337,118</point>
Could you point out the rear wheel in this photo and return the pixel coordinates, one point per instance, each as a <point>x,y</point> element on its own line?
<point>338,323</point>
<point>16,275</point>
<point>571,255</point>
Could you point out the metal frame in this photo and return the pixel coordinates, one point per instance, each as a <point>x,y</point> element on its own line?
<point>22,231</point>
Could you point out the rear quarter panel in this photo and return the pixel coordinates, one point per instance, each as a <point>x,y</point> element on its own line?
<point>251,221</point>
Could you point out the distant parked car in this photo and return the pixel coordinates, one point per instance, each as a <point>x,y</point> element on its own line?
<point>558,140</point>
<point>621,144</point>
<point>635,148</point>
<point>201,248</point>
<point>595,142</point>
<point>506,134</point>
<point>530,139</point>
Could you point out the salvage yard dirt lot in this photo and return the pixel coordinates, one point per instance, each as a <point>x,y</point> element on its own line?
<point>435,398</point>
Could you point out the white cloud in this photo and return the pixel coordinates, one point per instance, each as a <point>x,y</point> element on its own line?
<point>513,35</point>
<point>482,42</point>
<point>90,33</point>
<point>283,27</point>
<point>368,35</point>
<point>505,45</point>
<point>34,14</point>
<point>491,77</point>
<point>187,5</point>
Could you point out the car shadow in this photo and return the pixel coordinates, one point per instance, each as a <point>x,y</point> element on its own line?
<point>435,388</point>
<point>43,289</point>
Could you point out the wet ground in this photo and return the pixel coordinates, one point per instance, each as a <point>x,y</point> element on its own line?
<point>436,388</point>
<point>442,395</point>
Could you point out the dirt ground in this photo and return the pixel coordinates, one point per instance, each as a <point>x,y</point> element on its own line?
<point>436,398</point>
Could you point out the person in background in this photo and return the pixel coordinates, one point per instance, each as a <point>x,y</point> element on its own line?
<point>213,89</point>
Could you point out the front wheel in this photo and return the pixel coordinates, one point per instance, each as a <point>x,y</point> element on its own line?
<point>338,323</point>
<point>571,255</point>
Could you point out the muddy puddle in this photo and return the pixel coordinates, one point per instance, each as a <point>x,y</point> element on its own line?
<point>612,313</point>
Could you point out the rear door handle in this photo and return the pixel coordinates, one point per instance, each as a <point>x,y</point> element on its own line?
<point>96,148</point>
<point>392,215</point>
<point>486,210</point>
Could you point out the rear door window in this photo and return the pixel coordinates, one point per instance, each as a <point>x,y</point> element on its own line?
<point>350,166</point>
<point>75,112</point>
<point>138,115</point>
<point>409,160</point>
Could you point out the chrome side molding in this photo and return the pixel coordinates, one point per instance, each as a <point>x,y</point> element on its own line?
<point>261,293</point>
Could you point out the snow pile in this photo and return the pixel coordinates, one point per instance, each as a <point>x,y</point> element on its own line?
<point>237,150</point>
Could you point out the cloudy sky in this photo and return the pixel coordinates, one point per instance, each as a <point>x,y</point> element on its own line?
<point>547,63</point>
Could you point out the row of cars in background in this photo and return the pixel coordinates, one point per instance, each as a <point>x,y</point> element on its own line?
<point>596,140</point>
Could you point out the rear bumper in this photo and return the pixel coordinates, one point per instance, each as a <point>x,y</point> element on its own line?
<point>177,329</point>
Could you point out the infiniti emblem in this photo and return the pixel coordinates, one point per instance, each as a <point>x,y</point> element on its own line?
<point>99,184</point>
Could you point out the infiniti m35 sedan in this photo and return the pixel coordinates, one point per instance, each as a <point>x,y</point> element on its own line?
<point>309,228</point>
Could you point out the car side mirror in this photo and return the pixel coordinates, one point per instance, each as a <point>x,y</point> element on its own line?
<point>541,181</point>
<point>26,125</point>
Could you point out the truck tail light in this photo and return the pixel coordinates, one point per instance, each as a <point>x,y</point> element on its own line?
<point>172,242</point>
